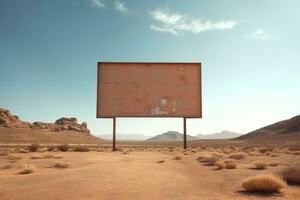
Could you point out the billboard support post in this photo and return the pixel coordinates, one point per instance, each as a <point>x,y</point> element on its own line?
<point>114,134</point>
<point>184,133</point>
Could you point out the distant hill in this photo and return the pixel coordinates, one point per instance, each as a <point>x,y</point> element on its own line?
<point>63,130</point>
<point>285,130</point>
<point>221,135</point>
<point>170,136</point>
<point>125,137</point>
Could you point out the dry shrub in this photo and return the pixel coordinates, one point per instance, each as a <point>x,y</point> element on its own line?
<point>263,183</point>
<point>291,175</point>
<point>161,161</point>
<point>63,147</point>
<point>263,150</point>
<point>36,156</point>
<point>230,164</point>
<point>209,160</point>
<point>178,157</point>
<point>226,151</point>
<point>254,153</point>
<point>14,158</point>
<point>26,169</point>
<point>294,148</point>
<point>100,150</point>
<point>47,155</point>
<point>274,164</point>
<point>259,164</point>
<point>3,153</point>
<point>60,165</point>
<point>6,166</point>
<point>22,151</point>
<point>217,154</point>
<point>81,148</point>
<point>33,147</point>
<point>237,156</point>
<point>57,156</point>
<point>296,153</point>
<point>194,151</point>
<point>50,148</point>
<point>220,164</point>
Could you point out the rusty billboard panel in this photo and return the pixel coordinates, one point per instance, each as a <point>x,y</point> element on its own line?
<point>149,90</point>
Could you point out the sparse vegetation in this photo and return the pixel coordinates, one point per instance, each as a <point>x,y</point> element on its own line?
<point>60,165</point>
<point>50,148</point>
<point>63,147</point>
<point>47,155</point>
<point>33,147</point>
<point>209,160</point>
<point>259,164</point>
<point>3,153</point>
<point>177,157</point>
<point>274,164</point>
<point>194,151</point>
<point>36,156</point>
<point>263,183</point>
<point>161,161</point>
<point>230,164</point>
<point>81,148</point>
<point>220,164</point>
<point>21,151</point>
<point>26,169</point>
<point>291,175</point>
<point>6,166</point>
<point>57,156</point>
<point>14,158</point>
<point>237,156</point>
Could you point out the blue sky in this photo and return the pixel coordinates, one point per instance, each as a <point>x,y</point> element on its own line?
<point>249,51</point>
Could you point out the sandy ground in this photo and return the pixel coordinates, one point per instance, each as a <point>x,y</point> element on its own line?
<point>135,175</point>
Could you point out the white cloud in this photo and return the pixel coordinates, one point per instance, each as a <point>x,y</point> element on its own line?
<point>175,22</point>
<point>160,29</point>
<point>98,3</point>
<point>120,7</point>
<point>261,34</point>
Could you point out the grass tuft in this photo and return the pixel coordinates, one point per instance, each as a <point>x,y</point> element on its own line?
<point>33,147</point>
<point>26,169</point>
<point>259,164</point>
<point>177,157</point>
<point>263,183</point>
<point>60,165</point>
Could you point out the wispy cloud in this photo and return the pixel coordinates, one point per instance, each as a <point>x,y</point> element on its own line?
<point>177,22</point>
<point>120,7</point>
<point>98,3</point>
<point>261,34</point>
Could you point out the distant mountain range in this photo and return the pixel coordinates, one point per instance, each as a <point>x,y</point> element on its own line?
<point>125,137</point>
<point>221,135</point>
<point>174,136</point>
<point>170,136</point>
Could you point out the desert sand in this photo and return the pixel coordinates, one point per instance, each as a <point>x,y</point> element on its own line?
<point>143,174</point>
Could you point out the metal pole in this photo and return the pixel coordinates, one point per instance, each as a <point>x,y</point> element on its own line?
<point>114,134</point>
<point>184,133</point>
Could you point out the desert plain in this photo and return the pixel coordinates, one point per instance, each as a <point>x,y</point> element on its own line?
<point>81,172</point>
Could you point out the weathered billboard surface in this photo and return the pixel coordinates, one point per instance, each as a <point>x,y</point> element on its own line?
<point>149,90</point>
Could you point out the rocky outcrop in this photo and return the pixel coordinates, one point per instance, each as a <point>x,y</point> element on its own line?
<point>63,124</point>
<point>11,121</point>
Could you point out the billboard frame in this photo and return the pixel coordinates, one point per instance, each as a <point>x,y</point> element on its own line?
<point>114,117</point>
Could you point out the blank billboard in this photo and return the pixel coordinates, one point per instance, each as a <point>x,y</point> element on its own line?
<point>149,89</point>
